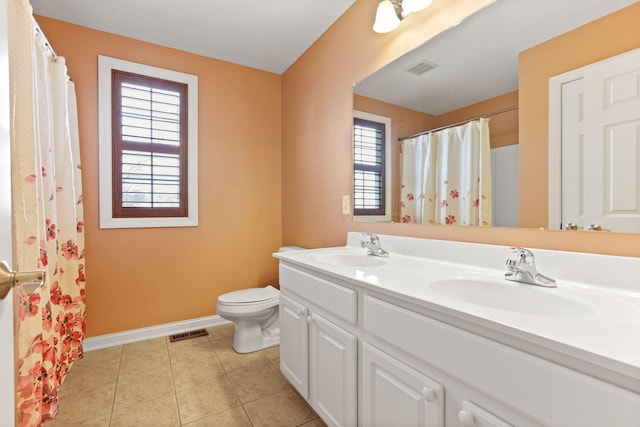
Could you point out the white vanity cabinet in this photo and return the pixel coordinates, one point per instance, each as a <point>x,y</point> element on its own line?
<point>317,355</point>
<point>520,388</point>
<point>367,356</point>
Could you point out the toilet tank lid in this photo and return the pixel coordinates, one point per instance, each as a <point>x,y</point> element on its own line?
<point>249,295</point>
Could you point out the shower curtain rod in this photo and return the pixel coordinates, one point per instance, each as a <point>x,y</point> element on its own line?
<point>515,107</point>
<point>38,30</point>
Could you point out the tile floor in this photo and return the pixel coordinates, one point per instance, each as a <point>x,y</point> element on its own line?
<point>196,382</point>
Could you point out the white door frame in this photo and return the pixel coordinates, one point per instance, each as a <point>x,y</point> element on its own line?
<point>555,143</point>
<point>7,364</point>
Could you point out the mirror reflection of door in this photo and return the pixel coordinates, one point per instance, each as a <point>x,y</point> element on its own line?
<point>601,146</point>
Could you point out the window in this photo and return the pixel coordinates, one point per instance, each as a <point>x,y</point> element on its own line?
<point>371,182</point>
<point>148,146</point>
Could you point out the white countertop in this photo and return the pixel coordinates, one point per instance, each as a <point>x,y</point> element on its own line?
<point>592,323</point>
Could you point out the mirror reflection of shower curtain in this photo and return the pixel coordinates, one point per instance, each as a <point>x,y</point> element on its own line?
<point>446,176</point>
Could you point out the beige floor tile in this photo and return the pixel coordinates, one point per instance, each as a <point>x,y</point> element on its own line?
<point>140,349</point>
<point>188,374</point>
<point>86,405</point>
<point>232,360</point>
<point>206,399</point>
<point>94,370</point>
<point>258,380</point>
<point>283,409</point>
<point>83,378</point>
<point>161,412</point>
<point>63,420</point>
<point>186,343</point>
<point>272,353</point>
<point>199,382</point>
<point>105,355</point>
<point>136,388</point>
<point>192,353</point>
<point>222,331</point>
<point>234,417</point>
<point>146,365</point>
<point>315,423</point>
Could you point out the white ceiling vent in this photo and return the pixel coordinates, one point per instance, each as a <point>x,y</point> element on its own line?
<point>421,67</point>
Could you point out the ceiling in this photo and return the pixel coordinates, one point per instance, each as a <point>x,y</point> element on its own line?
<point>267,35</point>
<point>478,59</point>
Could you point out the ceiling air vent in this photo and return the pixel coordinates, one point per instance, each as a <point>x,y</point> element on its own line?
<point>421,67</point>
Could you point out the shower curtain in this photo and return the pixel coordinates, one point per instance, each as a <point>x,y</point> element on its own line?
<point>446,176</point>
<point>47,216</point>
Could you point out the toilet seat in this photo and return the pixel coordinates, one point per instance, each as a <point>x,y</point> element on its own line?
<point>251,296</point>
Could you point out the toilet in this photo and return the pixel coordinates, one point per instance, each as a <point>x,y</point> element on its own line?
<point>255,313</point>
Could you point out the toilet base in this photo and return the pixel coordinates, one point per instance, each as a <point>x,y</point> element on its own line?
<point>249,336</point>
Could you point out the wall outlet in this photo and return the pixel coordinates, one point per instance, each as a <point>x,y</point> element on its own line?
<point>346,205</point>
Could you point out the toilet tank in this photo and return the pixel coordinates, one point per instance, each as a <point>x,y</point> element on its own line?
<point>290,248</point>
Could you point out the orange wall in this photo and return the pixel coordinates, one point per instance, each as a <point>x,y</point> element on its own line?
<point>600,39</point>
<point>144,277</point>
<point>317,104</point>
<point>504,126</point>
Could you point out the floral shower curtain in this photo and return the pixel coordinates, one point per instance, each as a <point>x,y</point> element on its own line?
<point>48,217</point>
<point>446,176</point>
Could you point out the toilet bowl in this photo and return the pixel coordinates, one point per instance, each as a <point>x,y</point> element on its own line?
<point>255,313</point>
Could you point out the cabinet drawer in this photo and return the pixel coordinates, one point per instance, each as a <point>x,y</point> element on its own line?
<point>543,390</point>
<point>334,299</point>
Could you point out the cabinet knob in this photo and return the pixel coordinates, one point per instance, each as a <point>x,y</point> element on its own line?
<point>309,319</point>
<point>466,418</point>
<point>428,394</point>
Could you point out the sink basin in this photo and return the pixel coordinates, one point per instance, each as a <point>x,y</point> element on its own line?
<point>353,260</point>
<point>513,297</point>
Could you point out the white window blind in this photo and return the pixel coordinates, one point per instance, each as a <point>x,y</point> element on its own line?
<point>150,116</point>
<point>150,142</point>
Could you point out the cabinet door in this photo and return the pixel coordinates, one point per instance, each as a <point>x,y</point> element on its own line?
<point>333,372</point>
<point>294,344</point>
<point>394,394</point>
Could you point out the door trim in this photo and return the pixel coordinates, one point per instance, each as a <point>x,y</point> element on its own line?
<point>555,143</point>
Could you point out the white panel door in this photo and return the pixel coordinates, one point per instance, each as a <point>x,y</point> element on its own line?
<point>294,344</point>
<point>599,130</point>
<point>397,395</point>
<point>612,143</point>
<point>7,366</point>
<point>333,372</point>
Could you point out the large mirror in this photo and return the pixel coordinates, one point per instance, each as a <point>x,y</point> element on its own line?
<point>483,68</point>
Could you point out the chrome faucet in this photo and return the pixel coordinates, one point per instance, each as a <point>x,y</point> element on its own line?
<point>523,269</point>
<point>372,243</point>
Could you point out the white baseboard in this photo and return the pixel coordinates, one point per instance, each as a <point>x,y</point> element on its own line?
<point>135,335</point>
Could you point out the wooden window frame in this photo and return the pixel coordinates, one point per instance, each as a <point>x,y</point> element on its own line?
<point>384,212</point>
<point>108,158</point>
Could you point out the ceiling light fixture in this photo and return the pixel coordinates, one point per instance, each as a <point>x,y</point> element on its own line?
<point>391,12</point>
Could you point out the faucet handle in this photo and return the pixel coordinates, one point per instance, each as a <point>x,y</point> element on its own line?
<point>371,238</point>
<point>524,255</point>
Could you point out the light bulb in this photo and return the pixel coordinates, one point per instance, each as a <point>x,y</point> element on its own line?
<point>386,18</point>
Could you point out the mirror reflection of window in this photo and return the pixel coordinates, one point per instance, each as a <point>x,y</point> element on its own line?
<point>371,177</point>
